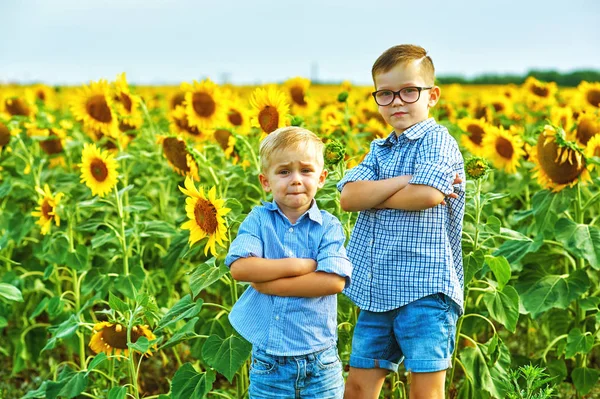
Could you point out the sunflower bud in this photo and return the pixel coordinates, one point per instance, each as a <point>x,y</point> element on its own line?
<point>334,153</point>
<point>342,97</point>
<point>476,168</point>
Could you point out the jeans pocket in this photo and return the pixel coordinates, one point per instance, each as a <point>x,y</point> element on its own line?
<point>262,363</point>
<point>328,359</point>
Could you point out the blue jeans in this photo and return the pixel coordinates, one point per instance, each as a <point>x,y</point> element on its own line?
<point>422,333</point>
<point>317,375</point>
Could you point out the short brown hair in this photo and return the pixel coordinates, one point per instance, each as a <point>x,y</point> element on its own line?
<point>290,137</point>
<point>404,54</point>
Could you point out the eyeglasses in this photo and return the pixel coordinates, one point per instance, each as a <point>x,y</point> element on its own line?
<point>407,95</point>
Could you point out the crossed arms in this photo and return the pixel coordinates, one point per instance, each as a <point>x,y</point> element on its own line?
<point>287,277</point>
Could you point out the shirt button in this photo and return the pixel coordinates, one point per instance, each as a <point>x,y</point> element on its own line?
<point>291,230</point>
<point>371,242</point>
<point>277,317</point>
<point>370,276</point>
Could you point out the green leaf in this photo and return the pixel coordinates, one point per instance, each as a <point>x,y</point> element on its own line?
<point>226,356</point>
<point>70,384</point>
<point>155,228</point>
<point>584,379</point>
<point>99,358</point>
<point>503,306</point>
<point>554,291</point>
<point>557,369</point>
<point>65,329</point>
<point>184,309</point>
<point>103,237</point>
<point>182,334</point>
<point>578,342</point>
<point>116,303</point>
<point>581,240</point>
<point>39,308</point>
<point>589,303</point>
<point>189,384</point>
<point>48,271</point>
<point>117,393</point>
<point>473,262</point>
<point>205,275</point>
<point>138,204</point>
<point>494,224</point>
<point>546,207</point>
<point>9,292</point>
<point>500,267</point>
<point>78,260</point>
<point>515,250</point>
<point>141,345</point>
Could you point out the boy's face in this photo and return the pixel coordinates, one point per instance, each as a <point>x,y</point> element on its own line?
<point>399,114</point>
<point>294,176</point>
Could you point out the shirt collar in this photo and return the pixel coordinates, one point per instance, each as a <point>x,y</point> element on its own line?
<point>313,212</point>
<point>414,132</point>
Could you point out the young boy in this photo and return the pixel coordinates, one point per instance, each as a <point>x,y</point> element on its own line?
<point>405,246</point>
<point>293,254</point>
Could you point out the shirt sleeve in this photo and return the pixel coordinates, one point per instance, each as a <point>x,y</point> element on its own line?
<point>248,241</point>
<point>366,170</point>
<point>332,257</point>
<point>438,162</point>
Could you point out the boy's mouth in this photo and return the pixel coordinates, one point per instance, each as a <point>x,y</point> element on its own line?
<point>399,113</point>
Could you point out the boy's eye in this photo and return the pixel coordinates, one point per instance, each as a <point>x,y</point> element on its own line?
<point>409,90</point>
<point>306,170</point>
<point>384,93</point>
<point>283,172</point>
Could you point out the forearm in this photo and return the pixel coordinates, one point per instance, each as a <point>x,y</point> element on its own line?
<point>414,197</point>
<point>308,285</point>
<point>368,194</point>
<point>254,269</point>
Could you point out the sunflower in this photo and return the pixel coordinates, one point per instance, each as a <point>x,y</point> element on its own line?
<point>238,115</point>
<point>109,337</point>
<point>46,211</point>
<point>127,105</point>
<point>503,148</point>
<point>43,93</point>
<point>98,170</point>
<point>562,117</point>
<point>269,109</point>
<point>180,125</point>
<point>204,105</point>
<point>539,95</point>
<point>589,94</point>
<point>17,106</point>
<point>226,141</point>
<point>179,156</point>
<point>205,215</point>
<point>588,126</point>
<point>93,106</point>
<point>475,130</point>
<point>297,89</point>
<point>592,149</point>
<point>5,134</point>
<point>559,163</point>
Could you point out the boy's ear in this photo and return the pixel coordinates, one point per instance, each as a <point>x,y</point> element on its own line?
<point>434,96</point>
<point>264,182</point>
<point>322,178</point>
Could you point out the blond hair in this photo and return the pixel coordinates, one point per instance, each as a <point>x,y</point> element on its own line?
<point>405,54</point>
<point>290,137</point>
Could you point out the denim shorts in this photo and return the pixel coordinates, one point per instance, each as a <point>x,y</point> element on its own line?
<point>316,375</point>
<point>420,333</point>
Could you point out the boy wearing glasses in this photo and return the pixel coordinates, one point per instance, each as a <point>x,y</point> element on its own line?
<point>405,247</point>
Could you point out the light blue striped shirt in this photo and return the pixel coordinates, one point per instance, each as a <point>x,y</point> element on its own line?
<point>400,256</point>
<point>289,326</point>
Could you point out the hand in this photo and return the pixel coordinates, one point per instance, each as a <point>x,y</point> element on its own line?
<point>457,180</point>
<point>306,265</point>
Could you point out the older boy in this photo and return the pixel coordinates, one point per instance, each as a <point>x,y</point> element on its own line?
<point>405,246</point>
<point>294,256</point>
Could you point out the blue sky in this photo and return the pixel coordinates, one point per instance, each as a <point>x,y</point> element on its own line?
<point>246,41</point>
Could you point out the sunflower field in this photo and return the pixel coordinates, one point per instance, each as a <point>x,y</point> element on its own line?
<point>118,204</point>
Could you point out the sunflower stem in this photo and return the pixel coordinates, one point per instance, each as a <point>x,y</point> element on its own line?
<point>131,357</point>
<point>122,237</point>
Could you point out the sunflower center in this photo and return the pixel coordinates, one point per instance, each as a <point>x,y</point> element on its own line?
<point>222,137</point>
<point>177,99</point>
<point>47,209</point>
<point>206,216</point>
<point>504,147</point>
<point>116,337</point>
<point>4,135</point>
<point>498,106</point>
<point>52,145</point>
<point>41,95</point>
<point>184,125</point>
<point>586,130</point>
<point>204,105</point>
<point>559,173</point>
<point>176,153</point>
<point>235,117</point>
<point>593,97</point>
<point>16,106</point>
<point>540,91</point>
<point>98,109</point>
<point>298,95</point>
<point>268,118</point>
<point>126,101</point>
<point>476,133</point>
<point>98,169</point>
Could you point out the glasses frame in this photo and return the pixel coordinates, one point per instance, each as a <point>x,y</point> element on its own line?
<point>397,93</point>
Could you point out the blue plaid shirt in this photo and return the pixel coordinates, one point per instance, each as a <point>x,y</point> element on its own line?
<point>289,326</point>
<point>400,256</point>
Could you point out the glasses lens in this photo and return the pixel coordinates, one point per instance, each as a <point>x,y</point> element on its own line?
<point>384,97</point>
<point>409,94</point>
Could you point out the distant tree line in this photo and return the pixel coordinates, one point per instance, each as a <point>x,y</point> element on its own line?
<point>562,79</point>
